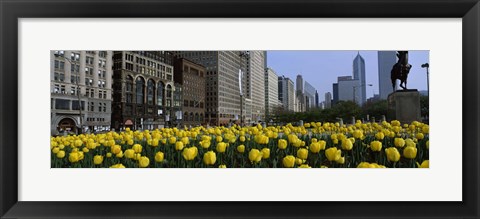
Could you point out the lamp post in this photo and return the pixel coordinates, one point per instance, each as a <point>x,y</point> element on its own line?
<point>355,88</point>
<point>73,62</point>
<point>243,54</point>
<point>427,66</point>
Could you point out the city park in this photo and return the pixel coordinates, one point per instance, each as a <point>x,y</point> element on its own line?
<point>390,134</point>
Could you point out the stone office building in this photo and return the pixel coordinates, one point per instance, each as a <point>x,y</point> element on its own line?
<point>192,77</point>
<point>142,89</point>
<point>84,75</point>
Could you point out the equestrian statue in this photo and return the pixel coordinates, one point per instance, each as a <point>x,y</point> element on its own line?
<point>400,70</point>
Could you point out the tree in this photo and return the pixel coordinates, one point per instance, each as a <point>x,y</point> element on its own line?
<point>376,109</point>
<point>424,106</point>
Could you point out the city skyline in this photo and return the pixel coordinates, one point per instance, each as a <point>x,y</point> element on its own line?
<point>332,64</point>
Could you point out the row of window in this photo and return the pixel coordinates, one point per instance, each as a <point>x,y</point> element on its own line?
<point>190,117</point>
<point>89,119</point>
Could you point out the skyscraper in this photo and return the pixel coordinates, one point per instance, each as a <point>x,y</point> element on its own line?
<point>255,84</point>
<point>386,60</point>
<point>346,88</point>
<point>271,91</point>
<point>299,95</point>
<point>309,94</point>
<point>317,103</point>
<point>359,74</point>
<point>328,100</point>
<point>286,93</point>
<point>335,93</point>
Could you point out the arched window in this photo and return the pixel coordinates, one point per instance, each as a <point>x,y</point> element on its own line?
<point>129,89</point>
<point>185,117</point>
<point>201,117</point>
<point>150,91</point>
<point>168,95</point>
<point>197,117</point>
<point>160,94</point>
<point>140,90</point>
<point>191,117</point>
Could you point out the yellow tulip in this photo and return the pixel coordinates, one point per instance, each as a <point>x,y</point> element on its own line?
<point>341,160</point>
<point>358,134</point>
<point>55,150</point>
<point>129,153</point>
<point>282,143</point>
<point>222,166</point>
<point>97,159</point>
<point>116,149</point>
<point>315,147</point>
<point>117,166</point>
<point>172,140</point>
<point>155,142</point>
<point>347,145</point>
<point>302,153</point>
<point>242,138</point>
<point>109,154</point>
<point>333,154</point>
<point>209,158</point>
<point>399,142</point>
<point>190,153</point>
<point>178,145</point>
<point>304,166</point>
<point>379,135</point>
<point>255,155</point>
<point>376,145</point>
<point>298,161</point>
<point>137,148</point>
<point>143,161</point>
<point>425,164</point>
<point>425,129</point>
<point>219,139</point>
<point>61,154</point>
<point>392,154</point>
<point>241,148</point>
<point>159,157</point>
<point>221,147</point>
<point>419,136</point>
<point>265,153</point>
<point>119,155</point>
<point>205,144</point>
<point>428,144</point>
<point>410,143</point>
<point>410,152</point>
<point>288,161</point>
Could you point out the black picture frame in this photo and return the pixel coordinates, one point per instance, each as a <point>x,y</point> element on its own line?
<point>12,10</point>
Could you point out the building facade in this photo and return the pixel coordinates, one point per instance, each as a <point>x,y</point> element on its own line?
<point>84,76</point>
<point>286,93</point>
<point>359,74</point>
<point>335,93</point>
<point>347,89</point>
<point>299,94</point>
<point>386,60</point>
<point>222,84</point>
<point>255,84</point>
<point>309,95</point>
<point>328,100</point>
<point>143,90</point>
<point>191,77</point>
<point>271,92</point>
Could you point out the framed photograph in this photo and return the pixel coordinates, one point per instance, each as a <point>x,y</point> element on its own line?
<point>43,145</point>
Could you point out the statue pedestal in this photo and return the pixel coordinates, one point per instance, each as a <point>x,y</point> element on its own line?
<point>404,106</point>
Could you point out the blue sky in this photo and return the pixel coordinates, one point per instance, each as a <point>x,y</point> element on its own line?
<point>321,68</point>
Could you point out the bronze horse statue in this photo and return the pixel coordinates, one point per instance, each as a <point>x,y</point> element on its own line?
<point>400,70</point>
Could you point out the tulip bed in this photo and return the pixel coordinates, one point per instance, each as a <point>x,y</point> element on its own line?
<point>314,145</point>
